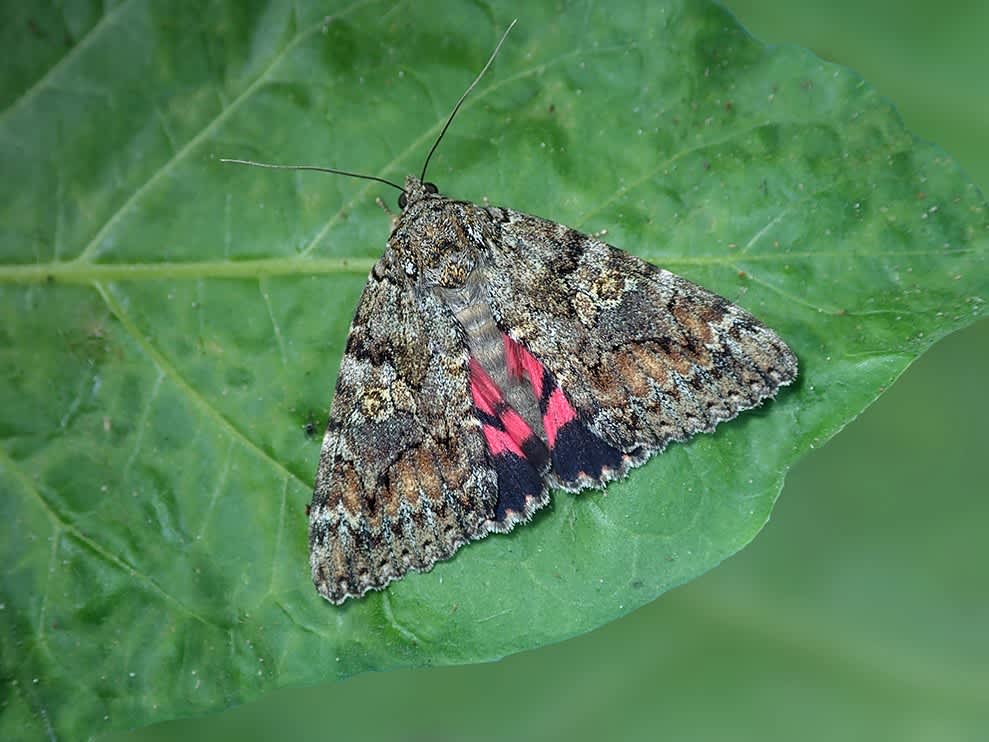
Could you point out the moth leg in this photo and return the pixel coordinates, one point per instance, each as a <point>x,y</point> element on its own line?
<point>391,214</point>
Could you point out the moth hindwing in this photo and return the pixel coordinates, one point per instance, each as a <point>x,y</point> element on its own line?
<point>495,355</point>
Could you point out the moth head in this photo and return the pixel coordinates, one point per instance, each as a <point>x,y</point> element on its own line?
<point>415,190</point>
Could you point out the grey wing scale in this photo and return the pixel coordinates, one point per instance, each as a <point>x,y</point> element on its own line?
<point>403,478</point>
<point>422,453</point>
<point>644,356</point>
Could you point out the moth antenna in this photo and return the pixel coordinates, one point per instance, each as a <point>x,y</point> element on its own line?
<point>313,167</point>
<point>464,97</point>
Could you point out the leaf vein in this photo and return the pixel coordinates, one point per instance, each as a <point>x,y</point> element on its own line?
<point>92,248</point>
<point>61,522</point>
<point>69,57</point>
<point>172,373</point>
<point>404,632</point>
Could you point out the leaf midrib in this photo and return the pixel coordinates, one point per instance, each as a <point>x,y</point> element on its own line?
<point>85,273</point>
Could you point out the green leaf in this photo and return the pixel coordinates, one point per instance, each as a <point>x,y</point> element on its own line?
<point>171,324</point>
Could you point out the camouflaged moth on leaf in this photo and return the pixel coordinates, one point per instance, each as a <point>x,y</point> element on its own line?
<point>495,355</point>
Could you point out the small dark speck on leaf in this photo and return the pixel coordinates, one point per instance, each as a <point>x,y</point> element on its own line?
<point>310,427</point>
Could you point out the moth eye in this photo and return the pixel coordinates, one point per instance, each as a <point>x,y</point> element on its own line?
<point>431,188</point>
<point>402,200</point>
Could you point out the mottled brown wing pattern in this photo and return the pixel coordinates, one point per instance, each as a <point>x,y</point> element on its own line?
<point>644,356</point>
<point>494,354</point>
<point>403,477</point>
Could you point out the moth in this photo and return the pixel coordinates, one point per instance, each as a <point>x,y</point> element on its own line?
<point>494,356</point>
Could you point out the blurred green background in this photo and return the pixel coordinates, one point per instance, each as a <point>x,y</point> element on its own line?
<point>860,612</point>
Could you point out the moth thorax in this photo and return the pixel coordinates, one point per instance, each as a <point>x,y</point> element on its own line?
<point>453,269</point>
